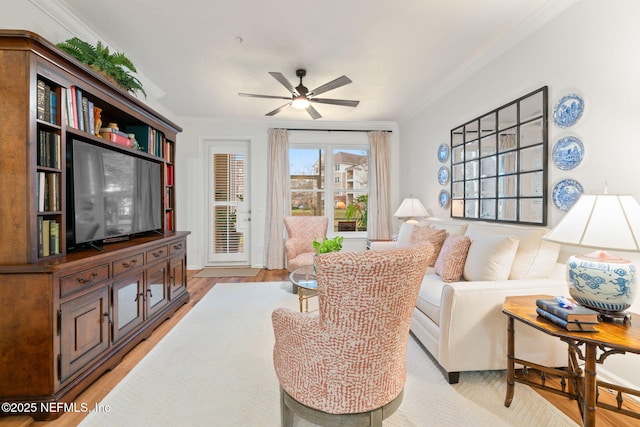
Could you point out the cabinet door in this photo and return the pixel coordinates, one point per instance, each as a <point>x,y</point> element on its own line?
<point>128,305</point>
<point>84,326</point>
<point>156,293</point>
<point>177,277</point>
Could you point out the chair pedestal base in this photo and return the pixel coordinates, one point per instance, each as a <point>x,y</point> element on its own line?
<point>289,406</point>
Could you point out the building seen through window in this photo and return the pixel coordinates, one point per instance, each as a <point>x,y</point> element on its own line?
<point>341,194</point>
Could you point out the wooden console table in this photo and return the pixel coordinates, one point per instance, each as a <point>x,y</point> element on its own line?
<point>582,385</point>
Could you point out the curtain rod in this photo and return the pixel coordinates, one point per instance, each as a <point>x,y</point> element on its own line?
<point>341,130</point>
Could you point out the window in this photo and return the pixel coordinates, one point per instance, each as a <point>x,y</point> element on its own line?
<point>342,194</point>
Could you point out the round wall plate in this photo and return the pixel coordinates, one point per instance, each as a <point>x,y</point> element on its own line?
<point>566,193</point>
<point>568,110</point>
<point>567,153</point>
<point>443,175</point>
<point>443,153</point>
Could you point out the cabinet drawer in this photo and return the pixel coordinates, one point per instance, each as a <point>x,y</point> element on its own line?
<point>82,279</point>
<point>127,264</point>
<point>176,247</point>
<point>157,253</point>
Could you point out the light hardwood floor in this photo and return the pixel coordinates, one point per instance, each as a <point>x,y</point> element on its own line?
<point>198,287</point>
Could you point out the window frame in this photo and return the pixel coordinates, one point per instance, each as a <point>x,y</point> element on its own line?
<point>328,143</point>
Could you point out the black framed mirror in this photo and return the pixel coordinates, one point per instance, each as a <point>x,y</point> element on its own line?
<point>499,163</point>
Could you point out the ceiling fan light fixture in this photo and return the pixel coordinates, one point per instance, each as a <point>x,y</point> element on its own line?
<point>300,102</point>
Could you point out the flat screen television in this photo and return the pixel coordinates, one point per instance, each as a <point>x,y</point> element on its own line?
<point>114,194</point>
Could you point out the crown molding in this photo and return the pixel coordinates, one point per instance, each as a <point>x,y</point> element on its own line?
<point>500,46</point>
<point>74,25</point>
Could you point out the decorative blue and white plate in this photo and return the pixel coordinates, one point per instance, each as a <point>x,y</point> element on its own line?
<point>443,198</point>
<point>567,153</point>
<point>566,193</point>
<point>568,110</point>
<point>443,175</point>
<point>443,153</point>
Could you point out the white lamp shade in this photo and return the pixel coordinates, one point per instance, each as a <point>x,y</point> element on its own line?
<point>608,222</point>
<point>411,208</point>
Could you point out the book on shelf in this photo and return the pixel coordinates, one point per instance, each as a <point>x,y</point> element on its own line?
<point>578,312</point>
<point>41,99</point>
<point>151,140</point>
<point>46,102</point>
<point>117,136</point>
<point>48,149</point>
<point>78,106</point>
<point>48,237</point>
<point>574,326</point>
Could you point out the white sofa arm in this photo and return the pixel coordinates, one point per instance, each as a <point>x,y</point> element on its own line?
<point>472,322</point>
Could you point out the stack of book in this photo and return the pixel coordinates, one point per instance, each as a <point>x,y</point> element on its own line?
<point>575,318</point>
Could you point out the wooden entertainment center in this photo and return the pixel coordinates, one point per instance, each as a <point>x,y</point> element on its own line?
<point>70,312</point>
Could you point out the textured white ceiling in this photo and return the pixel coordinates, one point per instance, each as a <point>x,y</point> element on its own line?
<point>399,54</point>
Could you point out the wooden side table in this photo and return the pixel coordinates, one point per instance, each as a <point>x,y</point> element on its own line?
<point>611,338</point>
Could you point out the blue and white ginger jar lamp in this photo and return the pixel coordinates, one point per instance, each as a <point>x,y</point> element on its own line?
<point>600,280</point>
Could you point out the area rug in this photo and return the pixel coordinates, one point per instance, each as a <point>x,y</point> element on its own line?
<point>214,368</point>
<point>227,272</point>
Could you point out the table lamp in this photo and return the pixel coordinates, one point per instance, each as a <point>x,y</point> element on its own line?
<point>411,208</point>
<point>599,280</point>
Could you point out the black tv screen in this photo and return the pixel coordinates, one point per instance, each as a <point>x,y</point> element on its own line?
<point>114,194</point>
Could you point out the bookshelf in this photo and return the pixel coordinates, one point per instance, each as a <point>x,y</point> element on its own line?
<point>67,312</point>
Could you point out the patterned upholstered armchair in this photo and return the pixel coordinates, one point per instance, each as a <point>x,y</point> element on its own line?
<point>301,232</point>
<point>347,363</point>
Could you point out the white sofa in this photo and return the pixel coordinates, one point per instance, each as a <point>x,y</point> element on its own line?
<point>461,323</point>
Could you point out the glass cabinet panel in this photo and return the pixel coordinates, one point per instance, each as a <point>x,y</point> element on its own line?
<point>128,305</point>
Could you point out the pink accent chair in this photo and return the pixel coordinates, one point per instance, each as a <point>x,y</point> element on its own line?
<point>346,365</point>
<point>301,232</point>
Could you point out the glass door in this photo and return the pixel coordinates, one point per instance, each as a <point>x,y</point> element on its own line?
<point>229,207</point>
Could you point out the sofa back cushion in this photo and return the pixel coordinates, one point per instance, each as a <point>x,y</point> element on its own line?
<point>490,257</point>
<point>535,257</point>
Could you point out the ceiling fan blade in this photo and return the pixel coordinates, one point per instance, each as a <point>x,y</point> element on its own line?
<point>277,110</point>
<point>313,112</point>
<point>334,84</point>
<point>342,102</point>
<point>251,95</point>
<point>283,81</point>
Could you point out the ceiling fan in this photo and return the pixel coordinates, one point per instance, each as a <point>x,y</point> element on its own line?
<point>301,97</point>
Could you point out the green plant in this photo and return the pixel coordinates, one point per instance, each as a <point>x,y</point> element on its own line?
<point>328,245</point>
<point>115,65</point>
<point>358,210</point>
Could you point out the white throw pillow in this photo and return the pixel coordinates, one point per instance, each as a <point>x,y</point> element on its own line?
<point>404,235</point>
<point>490,257</point>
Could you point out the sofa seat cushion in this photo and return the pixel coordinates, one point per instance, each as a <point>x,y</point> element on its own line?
<point>430,296</point>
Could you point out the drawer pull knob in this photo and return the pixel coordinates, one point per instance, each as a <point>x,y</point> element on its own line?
<point>177,247</point>
<point>108,316</point>
<point>89,280</point>
<point>130,263</point>
<point>157,254</point>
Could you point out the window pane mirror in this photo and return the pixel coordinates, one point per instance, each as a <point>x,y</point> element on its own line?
<point>499,163</point>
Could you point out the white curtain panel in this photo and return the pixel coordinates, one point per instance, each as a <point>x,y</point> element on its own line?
<point>278,198</point>
<point>378,220</point>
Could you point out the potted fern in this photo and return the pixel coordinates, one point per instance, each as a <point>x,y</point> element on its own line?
<point>115,66</point>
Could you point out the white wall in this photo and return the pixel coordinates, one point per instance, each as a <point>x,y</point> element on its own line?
<point>590,49</point>
<point>191,174</point>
